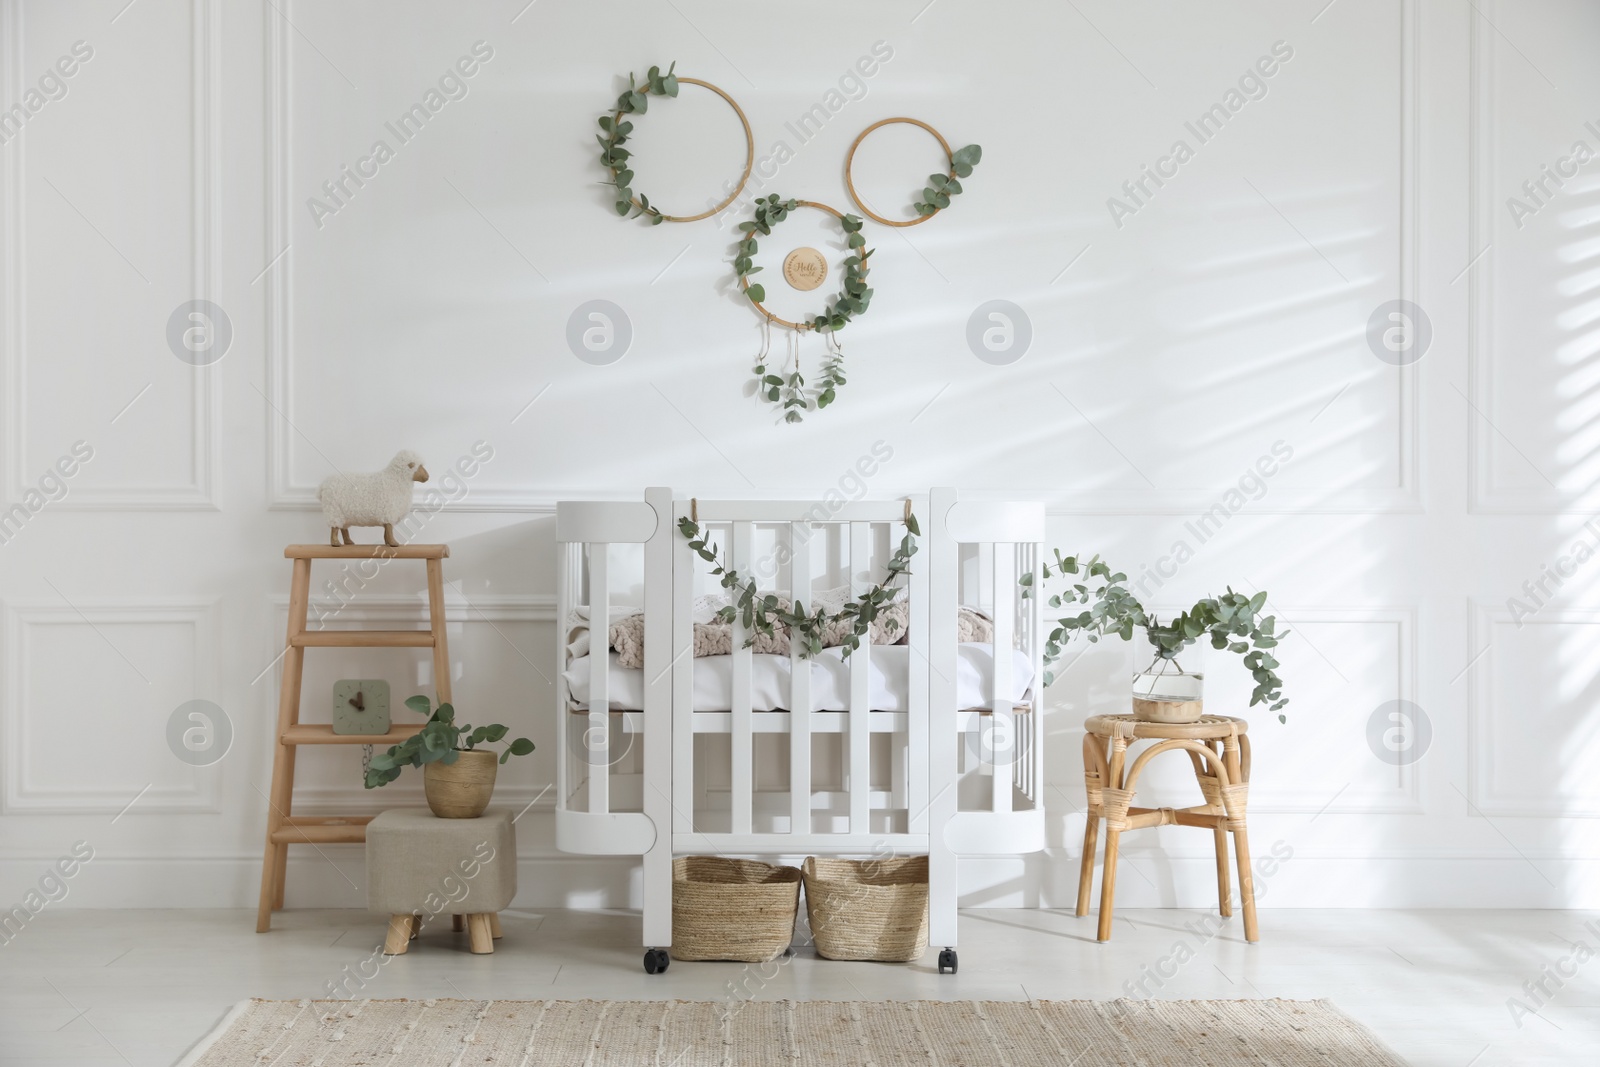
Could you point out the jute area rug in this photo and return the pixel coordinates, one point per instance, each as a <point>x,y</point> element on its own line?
<point>595,1033</point>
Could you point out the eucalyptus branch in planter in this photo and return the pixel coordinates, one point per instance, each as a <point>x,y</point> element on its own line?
<point>763,613</point>
<point>440,741</point>
<point>1232,621</point>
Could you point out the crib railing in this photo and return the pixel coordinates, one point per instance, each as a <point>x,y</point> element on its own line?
<point>856,537</point>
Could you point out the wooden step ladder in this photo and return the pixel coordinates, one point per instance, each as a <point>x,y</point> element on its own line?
<point>283,827</point>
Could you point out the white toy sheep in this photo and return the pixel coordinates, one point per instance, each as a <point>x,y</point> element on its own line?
<point>381,498</point>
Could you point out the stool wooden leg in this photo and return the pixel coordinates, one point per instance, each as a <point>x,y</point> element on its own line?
<point>494,925</point>
<point>1091,834</point>
<point>1108,883</point>
<point>1224,893</point>
<point>399,937</point>
<point>1247,890</point>
<point>458,923</point>
<point>481,937</point>
<point>416,927</point>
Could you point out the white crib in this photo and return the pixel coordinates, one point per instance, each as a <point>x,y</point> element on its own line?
<point>953,766</point>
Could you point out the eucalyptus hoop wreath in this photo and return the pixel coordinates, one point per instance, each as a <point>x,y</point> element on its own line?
<point>784,386</point>
<point>788,390</point>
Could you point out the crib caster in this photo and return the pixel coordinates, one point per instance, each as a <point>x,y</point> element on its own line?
<point>947,959</point>
<point>656,960</point>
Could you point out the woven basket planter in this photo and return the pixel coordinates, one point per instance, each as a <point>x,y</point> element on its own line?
<point>868,909</point>
<point>732,909</point>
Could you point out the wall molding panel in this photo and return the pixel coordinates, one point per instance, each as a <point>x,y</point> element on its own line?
<point>1486,759</point>
<point>23,730</point>
<point>205,166</point>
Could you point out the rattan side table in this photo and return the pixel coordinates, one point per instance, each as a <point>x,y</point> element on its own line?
<point>1220,752</point>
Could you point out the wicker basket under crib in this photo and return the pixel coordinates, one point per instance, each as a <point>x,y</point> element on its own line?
<point>732,909</point>
<point>868,909</point>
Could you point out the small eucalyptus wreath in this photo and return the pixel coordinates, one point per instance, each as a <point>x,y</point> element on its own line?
<point>789,391</point>
<point>635,100</point>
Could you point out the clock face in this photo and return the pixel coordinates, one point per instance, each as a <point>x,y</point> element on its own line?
<point>361,706</point>
<point>805,269</point>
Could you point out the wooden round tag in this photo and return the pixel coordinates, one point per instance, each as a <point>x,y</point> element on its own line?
<point>805,269</point>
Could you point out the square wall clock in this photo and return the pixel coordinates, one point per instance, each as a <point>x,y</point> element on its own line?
<point>361,706</point>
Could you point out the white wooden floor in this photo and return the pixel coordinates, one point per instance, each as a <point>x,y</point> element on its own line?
<point>136,988</point>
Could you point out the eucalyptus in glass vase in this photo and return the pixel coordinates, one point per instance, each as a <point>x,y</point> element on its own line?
<point>1163,692</point>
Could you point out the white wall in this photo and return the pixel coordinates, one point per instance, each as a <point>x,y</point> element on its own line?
<point>1169,353</point>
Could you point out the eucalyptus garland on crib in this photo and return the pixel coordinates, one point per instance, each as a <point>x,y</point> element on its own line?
<point>761,613</point>
<point>788,391</point>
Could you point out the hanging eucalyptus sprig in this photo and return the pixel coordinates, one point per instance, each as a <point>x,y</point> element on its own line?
<point>634,101</point>
<point>941,187</point>
<point>763,613</point>
<point>1232,621</point>
<point>832,373</point>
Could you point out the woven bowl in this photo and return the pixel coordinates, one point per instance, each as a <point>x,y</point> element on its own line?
<point>726,909</point>
<point>868,909</point>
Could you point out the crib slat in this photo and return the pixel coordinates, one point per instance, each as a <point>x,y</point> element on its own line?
<point>917,687</point>
<point>1036,659</point>
<point>860,688</point>
<point>1004,744</point>
<point>597,736</point>
<point>799,686</point>
<point>743,754</point>
<point>1021,768</point>
<point>564,590</point>
<point>682,668</point>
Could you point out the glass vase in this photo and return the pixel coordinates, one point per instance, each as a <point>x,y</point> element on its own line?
<point>1166,693</point>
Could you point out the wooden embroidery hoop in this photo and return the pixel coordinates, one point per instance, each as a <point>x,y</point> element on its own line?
<point>749,151</point>
<point>850,159</point>
<point>744,280</point>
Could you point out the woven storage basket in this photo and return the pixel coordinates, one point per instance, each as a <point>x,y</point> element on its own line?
<point>732,909</point>
<point>868,909</point>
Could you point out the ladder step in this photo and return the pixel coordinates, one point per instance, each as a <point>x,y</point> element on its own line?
<point>320,835</point>
<point>304,733</point>
<point>367,552</point>
<point>363,639</point>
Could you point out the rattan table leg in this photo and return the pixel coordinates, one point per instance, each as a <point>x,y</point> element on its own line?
<point>1224,893</point>
<point>1247,890</point>
<point>1091,833</point>
<point>1108,883</point>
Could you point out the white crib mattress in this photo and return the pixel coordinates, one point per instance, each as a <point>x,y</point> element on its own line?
<point>830,680</point>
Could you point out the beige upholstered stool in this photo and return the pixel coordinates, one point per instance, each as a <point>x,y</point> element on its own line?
<point>1220,752</point>
<point>420,866</point>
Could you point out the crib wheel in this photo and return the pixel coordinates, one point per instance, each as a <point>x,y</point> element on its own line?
<point>947,960</point>
<point>655,960</point>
